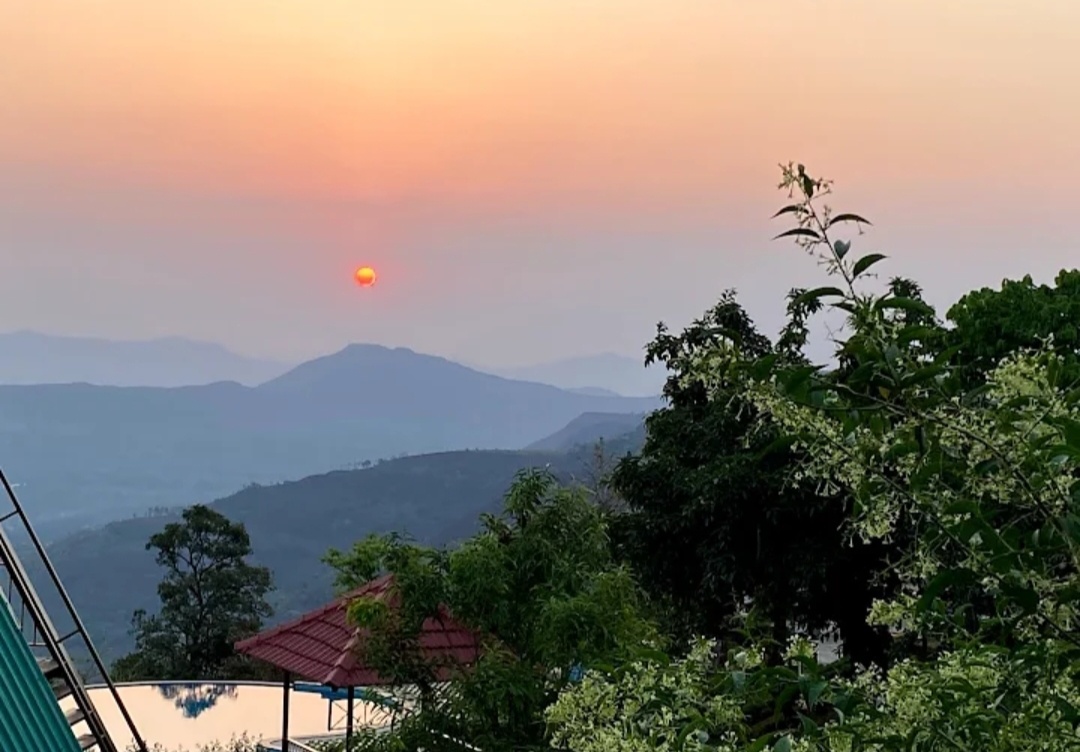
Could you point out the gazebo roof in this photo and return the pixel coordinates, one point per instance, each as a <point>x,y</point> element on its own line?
<point>322,646</point>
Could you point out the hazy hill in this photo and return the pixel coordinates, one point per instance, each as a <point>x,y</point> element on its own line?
<point>616,373</point>
<point>35,358</point>
<point>435,498</point>
<point>589,428</point>
<point>90,453</point>
<point>594,391</point>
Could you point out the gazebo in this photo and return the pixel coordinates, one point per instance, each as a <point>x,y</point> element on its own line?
<point>324,648</point>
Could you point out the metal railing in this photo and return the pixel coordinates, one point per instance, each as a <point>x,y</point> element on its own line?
<point>43,632</point>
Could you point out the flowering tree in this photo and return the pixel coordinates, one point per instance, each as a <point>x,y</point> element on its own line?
<point>981,479</point>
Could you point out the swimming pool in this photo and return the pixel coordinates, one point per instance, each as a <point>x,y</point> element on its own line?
<point>185,715</point>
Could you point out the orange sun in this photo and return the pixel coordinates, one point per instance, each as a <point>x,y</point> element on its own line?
<point>365,276</point>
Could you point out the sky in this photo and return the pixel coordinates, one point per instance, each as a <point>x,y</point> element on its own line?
<point>531,179</point>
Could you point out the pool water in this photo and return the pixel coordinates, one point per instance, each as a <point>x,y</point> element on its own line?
<point>180,715</point>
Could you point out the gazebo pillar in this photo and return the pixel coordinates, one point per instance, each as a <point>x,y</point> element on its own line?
<point>349,703</point>
<point>285,687</point>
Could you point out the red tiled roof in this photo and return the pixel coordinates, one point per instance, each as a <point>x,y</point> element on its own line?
<point>322,646</point>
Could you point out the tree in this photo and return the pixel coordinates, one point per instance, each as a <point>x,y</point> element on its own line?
<point>210,598</point>
<point>985,470</point>
<point>540,587</point>
<point>596,477</point>
<point>714,523</point>
<point>990,325</point>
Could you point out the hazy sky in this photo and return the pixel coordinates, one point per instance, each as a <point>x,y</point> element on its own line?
<point>532,178</point>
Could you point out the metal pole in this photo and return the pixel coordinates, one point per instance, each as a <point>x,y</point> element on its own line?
<point>349,719</point>
<point>285,713</point>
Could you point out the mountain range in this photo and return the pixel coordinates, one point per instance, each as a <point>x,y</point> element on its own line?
<point>615,373</point>
<point>589,428</point>
<point>86,454</point>
<point>34,358</point>
<point>435,499</point>
<point>28,357</point>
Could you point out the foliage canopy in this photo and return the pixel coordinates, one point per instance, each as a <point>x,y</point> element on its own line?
<point>977,478</point>
<point>210,598</point>
<point>540,586</point>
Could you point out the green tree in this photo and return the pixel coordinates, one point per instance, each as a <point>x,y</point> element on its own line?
<point>210,598</point>
<point>990,325</point>
<point>988,474</point>
<point>713,522</point>
<point>538,583</point>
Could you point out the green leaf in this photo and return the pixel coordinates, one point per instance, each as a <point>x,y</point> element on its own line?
<point>846,218</point>
<point>778,446</point>
<point>797,377</point>
<point>650,655</point>
<point>945,579</point>
<point>990,537</point>
<point>1072,396</point>
<point>789,209</point>
<point>909,334</point>
<point>1022,595</point>
<point>841,248</point>
<point>807,725</point>
<point>862,375</point>
<point>784,745</point>
<point>866,262</point>
<point>694,725</point>
<point>1071,430</point>
<point>921,376</point>
<point>906,304</point>
<point>901,449</point>
<point>803,231</point>
<point>786,695</point>
<point>814,693</point>
<point>761,368</point>
<point>947,354</point>
<point>819,292</point>
<point>1067,709</point>
<point>759,745</point>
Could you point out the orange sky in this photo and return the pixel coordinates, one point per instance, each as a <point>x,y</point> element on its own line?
<point>533,178</point>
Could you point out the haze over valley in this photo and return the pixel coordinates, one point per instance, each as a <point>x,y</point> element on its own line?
<point>85,454</point>
<point>366,439</point>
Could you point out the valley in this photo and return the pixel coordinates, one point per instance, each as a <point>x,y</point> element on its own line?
<point>433,498</point>
<point>85,455</point>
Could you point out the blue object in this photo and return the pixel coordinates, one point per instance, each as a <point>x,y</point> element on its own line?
<point>359,693</point>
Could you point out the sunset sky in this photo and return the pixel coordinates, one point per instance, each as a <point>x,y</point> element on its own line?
<point>532,179</point>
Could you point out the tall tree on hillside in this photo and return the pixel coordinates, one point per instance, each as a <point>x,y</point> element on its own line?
<point>210,598</point>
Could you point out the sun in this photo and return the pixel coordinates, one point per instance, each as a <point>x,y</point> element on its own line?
<point>365,276</point>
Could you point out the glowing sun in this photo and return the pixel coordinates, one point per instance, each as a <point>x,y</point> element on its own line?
<point>365,276</point>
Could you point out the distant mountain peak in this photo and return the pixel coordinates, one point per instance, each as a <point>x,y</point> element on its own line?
<point>608,371</point>
<point>32,357</point>
<point>361,347</point>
